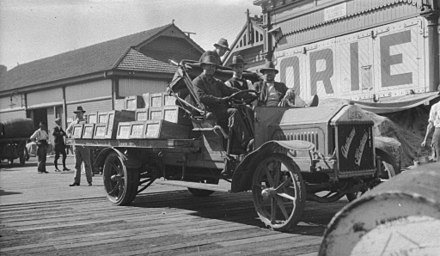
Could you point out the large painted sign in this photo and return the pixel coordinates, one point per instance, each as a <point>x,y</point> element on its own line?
<point>375,63</point>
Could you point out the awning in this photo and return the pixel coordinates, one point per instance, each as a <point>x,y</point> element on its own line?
<point>398,103</point>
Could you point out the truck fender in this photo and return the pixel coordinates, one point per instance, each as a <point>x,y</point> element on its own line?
<point>242,178</point>
<point>100,159</point>
<point>389,148</point>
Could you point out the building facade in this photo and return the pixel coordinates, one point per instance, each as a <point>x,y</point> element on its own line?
<point>94,77</point>
<point>366,50</point>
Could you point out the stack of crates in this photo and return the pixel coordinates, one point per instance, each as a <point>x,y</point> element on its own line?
<point>160,118</point>
<point>102,125</point>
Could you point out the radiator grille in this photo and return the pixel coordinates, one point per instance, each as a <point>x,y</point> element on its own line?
<point>310,136</point>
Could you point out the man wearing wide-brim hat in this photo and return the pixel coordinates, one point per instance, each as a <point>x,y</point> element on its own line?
<point>213,94</point>
<point>237,80</point>
<point>273,93</point>
<point>221,47</point>
<point>82,154</point>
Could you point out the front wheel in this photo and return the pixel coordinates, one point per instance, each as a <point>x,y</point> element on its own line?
<point>279,192</point>
<point>120,183</point>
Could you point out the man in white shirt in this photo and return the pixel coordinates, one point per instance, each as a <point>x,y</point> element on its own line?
<point>41,137</point>
<point>82,154</point>
<point>434,122</point>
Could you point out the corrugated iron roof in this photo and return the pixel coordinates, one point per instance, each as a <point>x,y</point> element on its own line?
<point>88,60</point>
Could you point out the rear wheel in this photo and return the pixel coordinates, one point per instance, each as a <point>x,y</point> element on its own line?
<point>278,192</point>
<point>120,183</point>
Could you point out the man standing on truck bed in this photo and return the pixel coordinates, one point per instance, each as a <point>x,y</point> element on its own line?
<point>82,154</point>
<point>221,47</point>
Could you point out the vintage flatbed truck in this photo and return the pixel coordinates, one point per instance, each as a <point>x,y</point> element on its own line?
<point>319,153</point>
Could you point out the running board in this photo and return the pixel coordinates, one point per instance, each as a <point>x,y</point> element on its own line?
<point>195,185</point>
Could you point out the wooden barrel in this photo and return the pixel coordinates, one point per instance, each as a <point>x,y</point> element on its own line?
<point>398,217</point>
<point>16,128</point>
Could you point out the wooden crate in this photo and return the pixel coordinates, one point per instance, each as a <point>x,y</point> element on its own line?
<point>88,130</point>
<point>162,129</point>
<point>155,113</point>
<point>91,117</point>
<point>137,129</point>
<point>169,100</point>
<point>176,115</point>
<point>123,131</point>
<point>134,102</point>
<point>77,131</point>
<point>114,118</point>
<point>100,131</point>
<point>102,118</point>
<point>141,114</point>
<point>146,97</point>
<point>119,104</point>
<point>156,100</point>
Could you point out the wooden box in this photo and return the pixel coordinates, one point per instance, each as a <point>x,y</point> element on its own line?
<point>119,104</point>
<point>169,100</point>
<point>156,100</point>
<point>146,97</point>
<point>88,131</point>
<point>176,115</point>
<point>92,117</point>
<point>102,118</point>
<point>134,102</point>
<point>155,113</point>
<point>165,130</point>
<point>137,129</point>
<point>100,131</point>
<point>141,114</point>
<point>152,129</point>
<point>77,131</point>
<point>123,131</point>
<point>114,118</point>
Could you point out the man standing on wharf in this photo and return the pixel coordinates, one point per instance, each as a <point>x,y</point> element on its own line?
<point>82,154</point>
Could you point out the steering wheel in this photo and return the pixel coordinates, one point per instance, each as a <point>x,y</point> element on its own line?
<point>238,96</point>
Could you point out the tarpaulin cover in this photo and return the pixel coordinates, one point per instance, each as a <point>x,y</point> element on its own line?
<point>399,103</point>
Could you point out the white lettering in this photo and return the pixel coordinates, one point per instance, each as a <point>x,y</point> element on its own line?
<point>346,147</point>
<point>360,150</point>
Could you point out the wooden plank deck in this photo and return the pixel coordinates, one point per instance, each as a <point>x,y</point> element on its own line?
<point>161,221</point>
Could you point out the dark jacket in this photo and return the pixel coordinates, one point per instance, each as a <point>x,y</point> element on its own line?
<point>261,88</point>
<point>210,92</point>
<point>58,135</point>
<point>235,82</point>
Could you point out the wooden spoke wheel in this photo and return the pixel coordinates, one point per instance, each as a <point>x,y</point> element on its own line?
<point>278,192</point>
<point>120,183</point>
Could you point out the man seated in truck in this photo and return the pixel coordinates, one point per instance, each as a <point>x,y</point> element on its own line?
<point>213,94</point>
<point>273,93</point>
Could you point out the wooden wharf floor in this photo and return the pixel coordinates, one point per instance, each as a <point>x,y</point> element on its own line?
<point>41,215</point>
